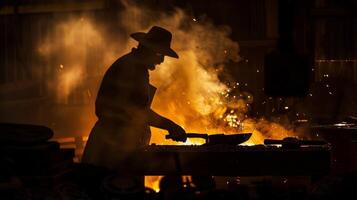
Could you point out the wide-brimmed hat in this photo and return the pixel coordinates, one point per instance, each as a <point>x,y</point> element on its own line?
<point>157,39</point>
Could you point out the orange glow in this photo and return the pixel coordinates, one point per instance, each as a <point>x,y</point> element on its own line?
<point>153,182</point>
<point>189,90</point>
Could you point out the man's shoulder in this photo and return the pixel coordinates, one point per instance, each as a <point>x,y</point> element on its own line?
<point>124,61</point>
<point>124,66</point>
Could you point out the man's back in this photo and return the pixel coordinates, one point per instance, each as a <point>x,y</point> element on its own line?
<point>124,90</point>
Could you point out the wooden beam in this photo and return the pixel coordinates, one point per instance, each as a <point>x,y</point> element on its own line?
<point>271,10</point>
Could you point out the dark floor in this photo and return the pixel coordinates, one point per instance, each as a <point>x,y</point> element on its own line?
<point>93,184</point>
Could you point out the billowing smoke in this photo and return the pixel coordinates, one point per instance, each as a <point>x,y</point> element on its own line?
<point>68,47</point>
<point>189,90</point>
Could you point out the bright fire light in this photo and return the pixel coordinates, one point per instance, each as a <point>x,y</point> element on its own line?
<point>189,90</point>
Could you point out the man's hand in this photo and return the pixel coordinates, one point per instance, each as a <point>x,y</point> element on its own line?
<point>177,133</point>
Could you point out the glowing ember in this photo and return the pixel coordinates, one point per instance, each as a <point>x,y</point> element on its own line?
<point>232,120</point>
<point>153,182</point>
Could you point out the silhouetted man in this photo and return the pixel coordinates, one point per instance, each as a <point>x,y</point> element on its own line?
<point>123,103</point>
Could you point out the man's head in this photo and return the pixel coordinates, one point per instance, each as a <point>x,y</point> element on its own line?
<point>155,44</point>
<point>150,57</point>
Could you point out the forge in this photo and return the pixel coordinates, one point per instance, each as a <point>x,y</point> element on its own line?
<point>265,91</point>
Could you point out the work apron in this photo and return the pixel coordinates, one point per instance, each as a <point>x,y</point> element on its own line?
<point>111,143</point>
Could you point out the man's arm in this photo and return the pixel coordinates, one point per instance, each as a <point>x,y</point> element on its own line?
<point>159,121</point>
<point>174,130</point>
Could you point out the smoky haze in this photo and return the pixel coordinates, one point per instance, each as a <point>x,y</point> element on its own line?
<point>189,90</point>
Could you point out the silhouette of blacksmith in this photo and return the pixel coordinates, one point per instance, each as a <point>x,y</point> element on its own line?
<point>123,103</point>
